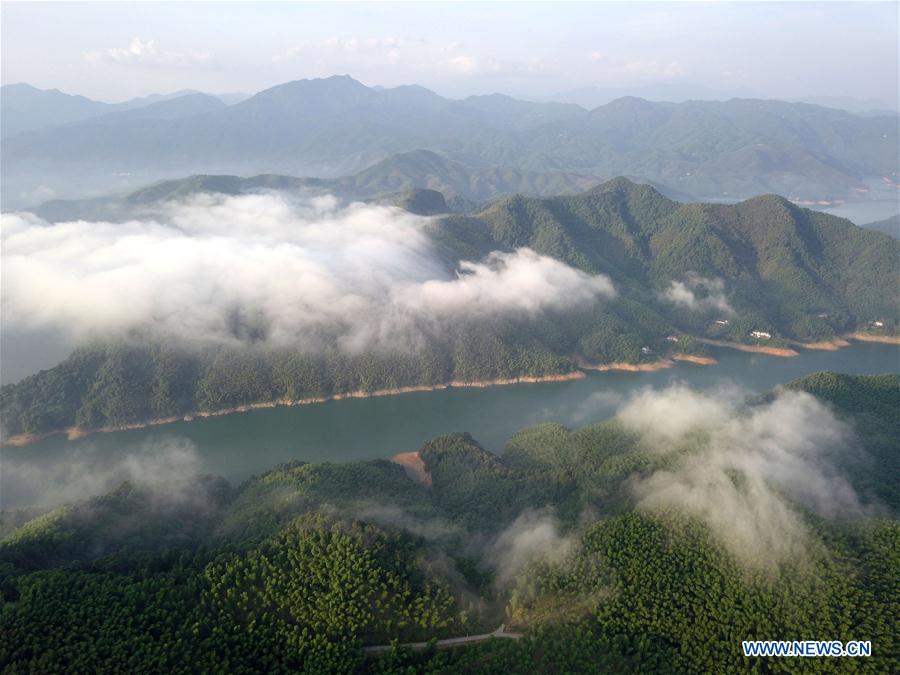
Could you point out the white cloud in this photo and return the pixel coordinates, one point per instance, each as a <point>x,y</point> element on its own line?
<point>164,468</point>
<point>598,406</point>
<point>414,56</point>
<point>628,70</point>
<point>345,49</point>
<point>464,64</point>
<point>654,69</point>
<point>41,193</point>
<point>665,418</point>
<point>532,538</point>
<point>742,471</point>
<point>522,281</point>
<point>699,294</point>
<point>146,53</point>
<point>262,267</point>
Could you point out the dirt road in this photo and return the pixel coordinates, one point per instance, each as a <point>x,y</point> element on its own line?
<point>449,643</point>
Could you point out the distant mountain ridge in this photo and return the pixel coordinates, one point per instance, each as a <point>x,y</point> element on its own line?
<point>889,226</point>
<point>26,108</point>
<point>464,187</point>
<point>166,109</point>
<point>337,126</point>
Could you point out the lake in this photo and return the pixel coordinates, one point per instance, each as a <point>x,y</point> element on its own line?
<point>863,213</point>
<point>882,201</point>
<point>237,446</point>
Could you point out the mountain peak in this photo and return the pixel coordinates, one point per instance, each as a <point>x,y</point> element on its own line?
<point>770,200</point>
<point>623,185</point>
<point>333,83</point>
<point>629,103</point>
<point>617,183</point>
<point>19,86</point>
<point>415,163</point>
<point>30,92</point>
<point>323,93</point>
<point>421,201</point>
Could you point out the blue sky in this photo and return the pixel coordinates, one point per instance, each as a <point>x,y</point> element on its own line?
<point>531,50</point>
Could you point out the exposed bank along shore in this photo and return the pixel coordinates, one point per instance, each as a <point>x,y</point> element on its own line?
<point>871,337</point>
<point>650,366</point>
<point>74,433</point>
<point>784,352</point>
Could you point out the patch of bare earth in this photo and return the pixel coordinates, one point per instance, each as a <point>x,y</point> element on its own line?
<point>414,466</point>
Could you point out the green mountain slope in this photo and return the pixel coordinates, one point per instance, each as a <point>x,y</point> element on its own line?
<point>782,265</point>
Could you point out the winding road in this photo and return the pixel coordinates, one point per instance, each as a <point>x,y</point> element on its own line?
<point>448,643</point>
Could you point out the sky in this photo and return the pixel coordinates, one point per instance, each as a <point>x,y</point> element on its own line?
<point>113,52</point>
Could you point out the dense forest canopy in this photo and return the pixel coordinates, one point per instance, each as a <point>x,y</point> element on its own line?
<point>558,538</point>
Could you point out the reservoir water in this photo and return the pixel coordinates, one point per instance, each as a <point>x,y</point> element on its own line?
<point>240,445</point>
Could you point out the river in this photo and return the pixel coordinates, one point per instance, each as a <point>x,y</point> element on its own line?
<point>239,445</point>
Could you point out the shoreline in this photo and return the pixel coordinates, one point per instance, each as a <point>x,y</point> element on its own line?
<point>660,364</point>
<point>75,433</point>
<point>826,345</point>
<point>624,367</point>
<point>696,360</point>
<point>782,352</point>
<point>871,337</point>
<point>669,361</point>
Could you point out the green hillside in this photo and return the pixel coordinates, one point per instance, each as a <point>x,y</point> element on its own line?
<point>301,567</point>
<point>783,265</point>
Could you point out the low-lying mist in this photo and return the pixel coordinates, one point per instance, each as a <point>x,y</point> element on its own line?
<point>533,537</point>
<point>164,468</point>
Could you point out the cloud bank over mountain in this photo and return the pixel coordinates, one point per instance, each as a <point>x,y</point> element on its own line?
<point>265,269</point>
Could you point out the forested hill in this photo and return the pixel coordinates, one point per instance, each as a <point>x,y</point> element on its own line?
<point>783,266</point>
<point>680,271</point>
<point>300,567</point>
